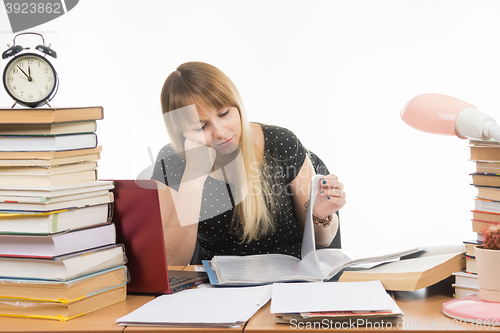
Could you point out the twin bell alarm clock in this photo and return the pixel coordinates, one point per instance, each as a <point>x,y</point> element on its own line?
<point>29,77</point>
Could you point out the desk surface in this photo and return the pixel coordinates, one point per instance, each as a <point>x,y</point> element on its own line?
<point>422,311</point>
<point>421,308</point>
<point>98,321</point>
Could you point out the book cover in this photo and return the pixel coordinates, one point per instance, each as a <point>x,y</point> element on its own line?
<point>50,116</point>
<point>60,311</point>
<point>64,267</point>
<point>63,291</point>
<point>49,129</point>
<point>48,142</point>
<point>38,246</point>
<point>46,223</point>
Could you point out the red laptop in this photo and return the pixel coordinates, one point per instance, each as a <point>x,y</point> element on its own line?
<point>138,226</point>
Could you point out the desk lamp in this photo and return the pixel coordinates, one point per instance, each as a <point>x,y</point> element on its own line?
<point>441,114</point>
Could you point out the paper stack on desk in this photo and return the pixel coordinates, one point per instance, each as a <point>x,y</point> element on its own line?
<point>204,307</point>
<point>334,305</point>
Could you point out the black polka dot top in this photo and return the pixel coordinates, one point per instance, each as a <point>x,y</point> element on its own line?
<point>217,235</point>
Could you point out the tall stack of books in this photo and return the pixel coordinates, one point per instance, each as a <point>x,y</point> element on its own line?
<point>486,180</point>
<point>58,253</point>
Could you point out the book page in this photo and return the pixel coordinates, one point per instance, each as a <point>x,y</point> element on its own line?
<point>268,268</point>
<point>421,264</point>
<point>260,268</point>
<point>310,262</point>
<point>333,260</point>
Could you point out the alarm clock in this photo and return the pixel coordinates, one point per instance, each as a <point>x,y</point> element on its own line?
<point>29,78</point>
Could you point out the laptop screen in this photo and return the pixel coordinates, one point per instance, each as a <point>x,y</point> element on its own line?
<point>137,218</point>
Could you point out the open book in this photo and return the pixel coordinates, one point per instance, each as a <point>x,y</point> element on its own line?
<point>416,271</point>
<point>315,265</point>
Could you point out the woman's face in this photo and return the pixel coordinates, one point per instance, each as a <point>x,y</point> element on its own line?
<point>219,129</point>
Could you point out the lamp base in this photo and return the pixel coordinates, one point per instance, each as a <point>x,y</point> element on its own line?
<point>474,310</point>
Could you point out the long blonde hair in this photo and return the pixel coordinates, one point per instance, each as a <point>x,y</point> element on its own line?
<point>197,82</point>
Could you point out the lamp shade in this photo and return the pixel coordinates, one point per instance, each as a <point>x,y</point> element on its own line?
<point>433,113</point>
<point>441,114</point>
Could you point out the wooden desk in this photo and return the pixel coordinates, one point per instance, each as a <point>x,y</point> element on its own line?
<point>422,312</point>
<point>98,321</point>
<point>143,329</point>
<point>139,329</point>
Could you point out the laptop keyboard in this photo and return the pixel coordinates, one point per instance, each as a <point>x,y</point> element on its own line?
<point>177,279</point>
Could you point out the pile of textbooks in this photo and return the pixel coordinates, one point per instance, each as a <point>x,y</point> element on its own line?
<point>58,253</point>
<point>486,180</point>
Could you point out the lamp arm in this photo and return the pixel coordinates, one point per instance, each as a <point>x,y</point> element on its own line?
<point>474,124</point>
<point>495,132</point>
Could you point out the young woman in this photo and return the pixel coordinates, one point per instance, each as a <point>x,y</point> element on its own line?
<point>233,186</point>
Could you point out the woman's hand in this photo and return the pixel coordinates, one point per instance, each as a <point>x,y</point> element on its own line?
<point>199,160</point>
<point>331,197</point>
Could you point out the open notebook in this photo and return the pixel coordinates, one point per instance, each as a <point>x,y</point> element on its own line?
<point>139,227</point>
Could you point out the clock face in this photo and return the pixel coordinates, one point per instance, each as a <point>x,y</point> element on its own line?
<point>30,79</point>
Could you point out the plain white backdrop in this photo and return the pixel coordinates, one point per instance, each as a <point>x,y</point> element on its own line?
<point>337,73</point>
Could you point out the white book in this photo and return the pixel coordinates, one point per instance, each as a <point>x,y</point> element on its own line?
<point>55,191</point>
<point>461,291</point>
<point>466,280</point>
<point>65,267</point>
<point>46,223</point>
<point>49,129</point>
<point>49,170</point>
<point>315,265</point>
<point>11,202</point>
<point>80,200</point>
<point>31,180</point>
<point>487,205</point>
<point>48,158</point>
<point>48,143</point>
<point>57,244</point>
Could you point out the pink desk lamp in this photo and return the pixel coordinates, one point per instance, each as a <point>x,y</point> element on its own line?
<point>440,114</point>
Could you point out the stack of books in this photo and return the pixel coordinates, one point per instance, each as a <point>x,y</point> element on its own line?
<point>58,253</point>
<point>486,212</point>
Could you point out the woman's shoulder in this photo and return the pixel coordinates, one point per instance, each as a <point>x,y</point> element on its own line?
<point>169,166</point>
<point>167,150</point>
<point>283,145</point>
<point>275,132</point>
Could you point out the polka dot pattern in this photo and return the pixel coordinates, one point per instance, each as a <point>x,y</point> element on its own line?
<point>216,232</point>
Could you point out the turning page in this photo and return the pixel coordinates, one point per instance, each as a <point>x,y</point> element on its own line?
<point>268,268</point>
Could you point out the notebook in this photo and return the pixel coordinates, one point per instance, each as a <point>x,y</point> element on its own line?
<point>138,226</point>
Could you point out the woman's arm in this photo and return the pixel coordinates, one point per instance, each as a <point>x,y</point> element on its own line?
<point>331,199</point>
<point>181,209</point>
<point>180,241</point>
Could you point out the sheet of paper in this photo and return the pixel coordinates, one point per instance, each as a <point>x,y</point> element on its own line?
<point>330,296</point>
<point>421,264</point>
<point>310,263</point>
<point>228,307</point>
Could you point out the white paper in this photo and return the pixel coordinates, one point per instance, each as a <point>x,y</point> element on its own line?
<point>310,263</point>
<point>330,296</point>
<point>227,307</point>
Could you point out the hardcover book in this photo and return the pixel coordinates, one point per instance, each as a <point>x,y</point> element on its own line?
<point>314,265</point>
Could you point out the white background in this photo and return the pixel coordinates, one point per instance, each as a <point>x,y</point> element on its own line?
<point>337,73</point>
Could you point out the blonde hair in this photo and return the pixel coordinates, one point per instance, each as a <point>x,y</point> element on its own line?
<point>200,83</point>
